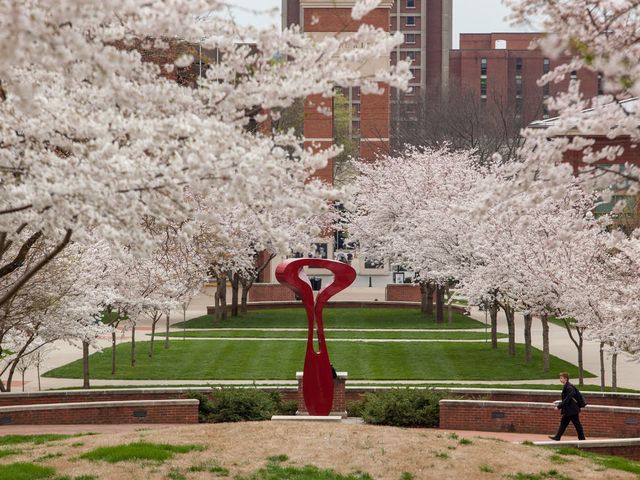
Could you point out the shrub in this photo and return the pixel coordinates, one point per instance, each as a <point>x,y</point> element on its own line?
<point>403,407</point>
<point>354,409</point>
<point>242,404</point>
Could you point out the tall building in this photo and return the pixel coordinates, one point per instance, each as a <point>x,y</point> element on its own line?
<point>501,71</point>
<point>427,29</point>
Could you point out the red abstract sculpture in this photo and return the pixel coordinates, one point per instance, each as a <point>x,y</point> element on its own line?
<point>317,379</point>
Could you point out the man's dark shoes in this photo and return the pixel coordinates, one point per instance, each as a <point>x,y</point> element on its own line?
<point>555,439</point>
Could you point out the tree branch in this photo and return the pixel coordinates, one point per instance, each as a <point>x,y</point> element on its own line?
<point>36,268</point>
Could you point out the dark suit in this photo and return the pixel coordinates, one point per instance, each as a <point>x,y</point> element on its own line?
<point>570,412</point>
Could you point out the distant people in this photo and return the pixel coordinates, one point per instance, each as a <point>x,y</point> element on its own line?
<point>569,407</point>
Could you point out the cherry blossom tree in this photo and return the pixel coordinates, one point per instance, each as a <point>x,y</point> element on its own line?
<point>94,136</point>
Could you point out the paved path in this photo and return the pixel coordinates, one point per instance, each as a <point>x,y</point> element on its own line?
<point>560,344</point>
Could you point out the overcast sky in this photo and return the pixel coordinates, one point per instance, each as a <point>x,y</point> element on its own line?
<point>469,16</point>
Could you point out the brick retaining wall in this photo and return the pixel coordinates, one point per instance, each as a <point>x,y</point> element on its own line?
<point>528,417</point>
<point>270,292</point>
<point>405,292</point>
<point>154,411</point>
<point>339,406</point>
<point>623,447</point>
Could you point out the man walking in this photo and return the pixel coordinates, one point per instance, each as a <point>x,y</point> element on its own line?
<point>569,408</point>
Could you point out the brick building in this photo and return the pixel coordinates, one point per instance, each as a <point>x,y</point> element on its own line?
<point>427,27</point>
<point>629,218</point>
<point>500,70</point>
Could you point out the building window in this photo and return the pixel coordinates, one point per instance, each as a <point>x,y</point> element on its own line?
<point>518,78</point>
<point>355,91</point>
<point>574,74</point>
<point>545,65</point>
<point>600,89</point>
<point>411,3</point>
<point>410,21</point>
<point>409,38</point>
<point>410,56</point>
<point>355,127</point>
<point>416,74</point>
<point>483,79</point>
<point>545,69</point>
<point>356,110</point>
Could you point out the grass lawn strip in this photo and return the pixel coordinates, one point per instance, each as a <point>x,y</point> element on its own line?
<point>25,471</point>
<point>139,451</point>
<point>335,318</point>
<point>36,439</point>
<point>336,334</point>
<point>608,461</point>
<point>236,360</point>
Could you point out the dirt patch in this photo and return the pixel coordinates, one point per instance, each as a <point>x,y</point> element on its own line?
<point>383,452</point>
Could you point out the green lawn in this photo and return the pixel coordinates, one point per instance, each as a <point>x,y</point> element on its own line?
<point>429,334</point>
<point>248,360</point>
<point>333,318</point>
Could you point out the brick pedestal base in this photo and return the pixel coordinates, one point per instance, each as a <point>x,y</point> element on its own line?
<point>339,399</point>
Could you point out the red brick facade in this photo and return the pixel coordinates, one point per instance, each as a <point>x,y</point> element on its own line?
<point>525,417</point>
<point>402,293</point>
<point>270,292</point>
<point>504,62</point>
<point>339,396</point>
<point>374,109</point>
<point>114,412</point>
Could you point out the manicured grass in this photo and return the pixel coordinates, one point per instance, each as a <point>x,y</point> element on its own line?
<point>529,386</point>
<point>274,471</point>
<point>139,451</point>
<point>35,439</point>
<point>428,335</point>
<point>334,318</point>
<point>609,461</point>
<point>25,471</point>
<point>279,360</point>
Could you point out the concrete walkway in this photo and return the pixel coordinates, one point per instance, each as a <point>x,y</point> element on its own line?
<point>560,345</point>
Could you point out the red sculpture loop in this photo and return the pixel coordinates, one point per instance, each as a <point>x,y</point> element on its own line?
<point>317,379</point>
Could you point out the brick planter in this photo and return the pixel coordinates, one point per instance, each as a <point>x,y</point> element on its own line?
<point>339,398</point>
<point>405,292</point>
<point>530,417</point>
<point>148,411</point>
<point>270,292</point>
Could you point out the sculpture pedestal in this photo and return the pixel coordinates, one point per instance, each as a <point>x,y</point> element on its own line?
<point>339,407</point>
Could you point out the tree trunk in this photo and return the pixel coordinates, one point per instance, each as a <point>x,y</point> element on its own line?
<point>235,283</point>
<point>528,320</point>
<point>493,313</point>
<point>545,343</point>
<point>85,365</point>
<point>22,378</point>
<point>511,327</point>
<point>439,304</point>
<point>602,371</point>
<point>154,321</point>
<point>578,344</point>
<point>244,297</point>
<point>133,346</point>
<point>38,373</point>
<point>222,295</point>
<point>426,303</point>
<point>113,353</point>
<point>614,371</point>
<point>167,327</point>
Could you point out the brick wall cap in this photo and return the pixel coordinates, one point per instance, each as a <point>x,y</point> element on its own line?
<point>80,405</point>
<point>97,392</point>
<point>490,403</point>
<point>614,442</point>
<point>341,375</point>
